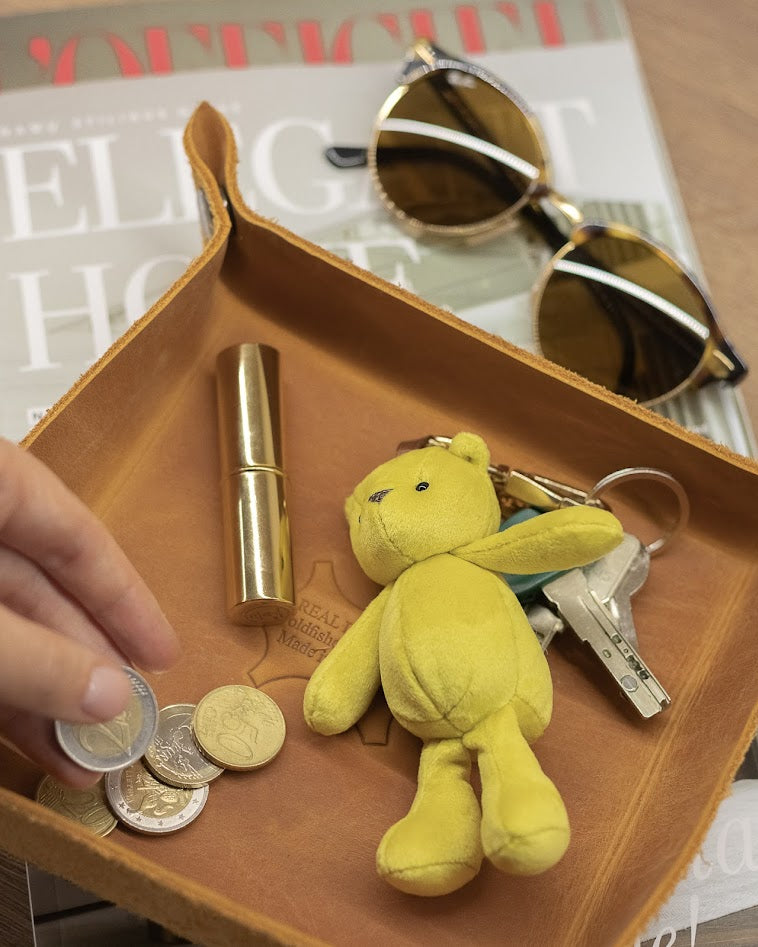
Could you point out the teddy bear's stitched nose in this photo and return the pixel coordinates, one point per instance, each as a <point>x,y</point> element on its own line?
<point>379,496</point>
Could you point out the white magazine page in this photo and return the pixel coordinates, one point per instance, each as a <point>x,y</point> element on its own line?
<point>90,239</point>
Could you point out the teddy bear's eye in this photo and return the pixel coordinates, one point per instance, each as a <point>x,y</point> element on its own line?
<point>422,486</point>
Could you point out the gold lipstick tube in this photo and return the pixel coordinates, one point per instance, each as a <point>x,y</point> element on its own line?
<point>259,586</point>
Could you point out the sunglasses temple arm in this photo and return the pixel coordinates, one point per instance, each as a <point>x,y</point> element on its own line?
<point>423,52</point>
<point>726,364</point>
<point>739,368</point>
<point>344,156</point>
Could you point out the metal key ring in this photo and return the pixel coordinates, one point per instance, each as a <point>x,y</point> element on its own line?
<point>649,473</point>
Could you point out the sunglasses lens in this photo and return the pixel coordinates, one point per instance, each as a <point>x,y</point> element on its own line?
<point>454,151</point>
<point>619,312</point>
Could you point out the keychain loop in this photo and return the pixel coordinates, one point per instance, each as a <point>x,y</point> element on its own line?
<point>660,476</point>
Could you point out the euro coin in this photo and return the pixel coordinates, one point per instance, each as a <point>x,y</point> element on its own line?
<point>88,807</point>
<point>174,757</point>
<point>238,727</point>
<point>102,747</point>
<point>145,804</point>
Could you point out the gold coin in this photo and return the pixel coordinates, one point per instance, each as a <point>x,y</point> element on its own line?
<point>238,727</point>
<point>86,806</point>
<point>174,756</point>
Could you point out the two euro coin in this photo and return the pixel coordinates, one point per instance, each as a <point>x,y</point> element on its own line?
<point>174,757</point>
<point>147,805</point>
<point>113,744</point>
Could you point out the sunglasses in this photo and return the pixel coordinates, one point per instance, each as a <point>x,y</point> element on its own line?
<point>455,153</point>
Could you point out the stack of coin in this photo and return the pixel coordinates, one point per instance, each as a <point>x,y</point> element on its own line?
<point>158,766</point>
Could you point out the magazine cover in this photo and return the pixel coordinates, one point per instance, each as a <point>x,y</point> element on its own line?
<point>98,213</point>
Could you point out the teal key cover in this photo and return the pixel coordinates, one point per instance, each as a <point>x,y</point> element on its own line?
<point>525,587</point>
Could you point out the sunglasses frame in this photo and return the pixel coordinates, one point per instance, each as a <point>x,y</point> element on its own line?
<point>424,58</point>
<point>718,361</point>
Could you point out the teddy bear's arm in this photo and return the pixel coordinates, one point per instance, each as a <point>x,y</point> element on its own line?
<point>343,685</point>
<point>561,539</point>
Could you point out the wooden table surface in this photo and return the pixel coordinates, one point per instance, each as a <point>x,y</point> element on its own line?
<point>700,60</point>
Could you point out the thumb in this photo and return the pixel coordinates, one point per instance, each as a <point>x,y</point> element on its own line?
<point>49,674</point>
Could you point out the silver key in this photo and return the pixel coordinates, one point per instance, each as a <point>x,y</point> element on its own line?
<point>616,577</point>
<point>581,607</point>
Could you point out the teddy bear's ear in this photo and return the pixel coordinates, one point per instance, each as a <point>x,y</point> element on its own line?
<point>472,448</point>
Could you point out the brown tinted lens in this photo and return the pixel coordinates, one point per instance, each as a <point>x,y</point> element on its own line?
<point>617,312</point>
<point>455,151</point>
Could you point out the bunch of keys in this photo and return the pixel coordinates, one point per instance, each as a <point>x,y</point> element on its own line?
<point>593,602</point>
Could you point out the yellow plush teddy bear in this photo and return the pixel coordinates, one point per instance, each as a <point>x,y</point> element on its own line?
<point>459,664</point>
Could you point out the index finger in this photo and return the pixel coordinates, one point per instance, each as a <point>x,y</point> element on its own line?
<point>43,520</point>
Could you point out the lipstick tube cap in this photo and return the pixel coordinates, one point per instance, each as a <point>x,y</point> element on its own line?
<point>247,382</point>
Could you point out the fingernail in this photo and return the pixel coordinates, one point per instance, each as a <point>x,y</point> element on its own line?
<point>107,693</point>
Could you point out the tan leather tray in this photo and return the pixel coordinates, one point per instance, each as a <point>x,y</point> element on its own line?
<point>286,854</point>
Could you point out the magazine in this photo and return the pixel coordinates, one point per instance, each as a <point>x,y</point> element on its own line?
<point>92,233</point>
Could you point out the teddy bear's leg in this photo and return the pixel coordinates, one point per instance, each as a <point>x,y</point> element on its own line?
<point>436,848</point>
<point>525,827</point>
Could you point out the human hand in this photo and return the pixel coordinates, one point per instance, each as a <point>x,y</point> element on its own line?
<point>72,611</point>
